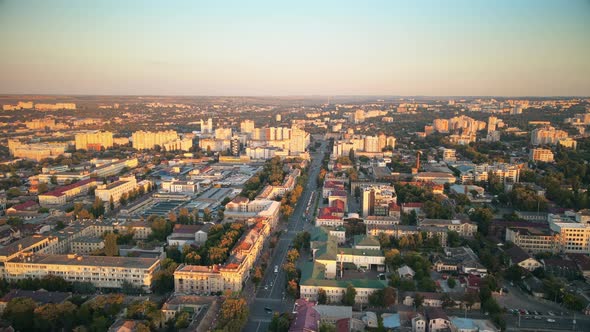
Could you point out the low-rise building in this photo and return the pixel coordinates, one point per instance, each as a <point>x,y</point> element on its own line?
<point>463,227</point>
<point>192,304</point>
<point>101,271</point>
<point>62,195</point>
<point>188,234</point>
<point>40,297</point>
<point>399,231</point>
<point>197,279</point>
<point>519,257</point>
<point>533,239</point>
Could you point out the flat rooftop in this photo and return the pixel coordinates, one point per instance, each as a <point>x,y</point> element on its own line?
<point>105,261</point>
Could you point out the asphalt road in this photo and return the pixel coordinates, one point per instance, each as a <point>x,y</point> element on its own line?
<point>273,296</point>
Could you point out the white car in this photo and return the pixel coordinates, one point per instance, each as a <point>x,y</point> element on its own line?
<point>550,320</point>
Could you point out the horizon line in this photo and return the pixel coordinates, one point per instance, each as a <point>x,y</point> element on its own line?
<point>290,95</point>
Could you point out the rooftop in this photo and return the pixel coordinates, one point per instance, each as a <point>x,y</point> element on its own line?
<point>40,296</point>
<point>105,261</point>
<point>313,274</point>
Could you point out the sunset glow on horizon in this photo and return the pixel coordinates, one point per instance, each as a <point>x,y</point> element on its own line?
<point>487,48</point>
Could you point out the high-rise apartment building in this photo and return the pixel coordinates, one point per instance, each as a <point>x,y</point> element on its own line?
<point>547,136</point>
<point>147,140</point>
<point>299,141</point>
<point>247,126</point>
<point>94,140</point>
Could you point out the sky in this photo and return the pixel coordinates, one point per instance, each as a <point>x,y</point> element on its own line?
<point>435,48</point>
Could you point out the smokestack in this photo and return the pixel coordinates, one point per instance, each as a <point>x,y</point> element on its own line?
<point>418,154</point>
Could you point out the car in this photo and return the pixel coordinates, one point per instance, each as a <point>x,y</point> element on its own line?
<point>550,320</point>
<point>537,317</point>
<point>271,284</point>
<point>276,269</point>
<point>268,310</point>
<point>551,313</point>
<point>265,287</point>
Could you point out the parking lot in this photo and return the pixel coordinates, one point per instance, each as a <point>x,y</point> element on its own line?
<point>517,299</point>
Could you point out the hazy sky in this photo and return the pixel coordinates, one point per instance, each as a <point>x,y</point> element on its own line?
<point>276,47</point>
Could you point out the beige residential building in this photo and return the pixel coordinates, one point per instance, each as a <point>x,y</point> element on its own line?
<point>533,239</point>
<point>543,155</point>
<point>101,271</point>
<point>115,190</point>
<point>572,237</point>
<point>94,140</point>
<point>197,279</point>
<point>465,228</point>
<point>168,140</point>
<point>568,142</point>
<point>547,136</point>
<point>36,151</point>
<point>55,107</point>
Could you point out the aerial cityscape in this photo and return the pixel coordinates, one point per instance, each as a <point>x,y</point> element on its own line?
<point>298,167</point>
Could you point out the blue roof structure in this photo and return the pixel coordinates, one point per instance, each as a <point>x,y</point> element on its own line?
<point>392,321</point>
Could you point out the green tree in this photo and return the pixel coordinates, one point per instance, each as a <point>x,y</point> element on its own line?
<point>451,282</point>
<point>182,320</point>
<point>97,208</point>
<point>483,216</point>
<point>349,295</point>
<point>19,312</point>
<point>322,296</point>
<point>110,245</point>
<point>418,300</point>
<point>447,301</point>
<point>42,188</point>
<point>292,255</point>
<point>279,323</point>
<point>111,204</point>
<point>233,315</point>
<point>13,193</point>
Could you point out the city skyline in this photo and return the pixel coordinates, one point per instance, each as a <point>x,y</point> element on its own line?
<point>265,49</point>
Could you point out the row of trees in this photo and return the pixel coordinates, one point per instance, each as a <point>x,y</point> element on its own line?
<point>233,315</point>
<point>96,315</point>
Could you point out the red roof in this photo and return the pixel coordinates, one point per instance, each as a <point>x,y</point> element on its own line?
<point>329,216</point>
<point>61,190</point>
<point>394,207</point>
<point>341,193</point>
<point>412,205</point>
<point>240,199</point>
<point>338,204</point>
<point>24,206</point>
<point>473,280</point>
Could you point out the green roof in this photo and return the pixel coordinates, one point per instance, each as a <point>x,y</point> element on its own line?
<point>319,234</point>
<point>361,252</point>
<point>312,274</point>
<point>364,240</point>
<point>329,250</point>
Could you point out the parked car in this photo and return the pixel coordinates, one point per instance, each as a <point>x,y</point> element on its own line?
<point>550,320</point>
